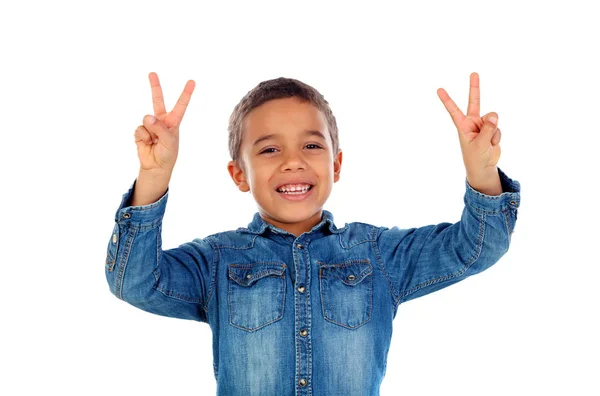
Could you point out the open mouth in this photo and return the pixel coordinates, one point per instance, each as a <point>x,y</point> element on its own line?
<point>295,189</point>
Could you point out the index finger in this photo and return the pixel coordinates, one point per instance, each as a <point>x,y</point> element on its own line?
<point>158,101</point>
<point>455,113</point>
<point>474,98</point>
<point>182,103</point>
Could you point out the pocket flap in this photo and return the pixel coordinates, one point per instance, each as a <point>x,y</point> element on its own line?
<point>350,273</point>
<point>247,274</point>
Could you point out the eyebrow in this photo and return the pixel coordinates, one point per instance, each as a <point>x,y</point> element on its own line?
<point>274,135</point>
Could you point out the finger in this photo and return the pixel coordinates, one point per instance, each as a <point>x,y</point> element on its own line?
<point>474,98</point>
<point>496,138</point>
<point>455,113</point>
<point>155,127</point>
<point>490,125</point>
<point>178,111</point>
<point>141,134</point>
<point>158,101</point>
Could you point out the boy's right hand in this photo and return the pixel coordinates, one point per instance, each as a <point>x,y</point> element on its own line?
<point>157,139</point>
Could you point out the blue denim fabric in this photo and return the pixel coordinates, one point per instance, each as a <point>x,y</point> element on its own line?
<point>307,315</point>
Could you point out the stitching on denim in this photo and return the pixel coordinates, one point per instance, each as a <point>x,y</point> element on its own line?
<point>143,227</point>
<point>123,264</point>
<point>307,300</point>
<point>342,265</point>
<point>297,326</point>
<point>339,323</point>
<point>358,242</point>
<point>249,329</point>
<point>375,245</point>
<point>482,223</point>
<point>283,290</point>
<point>181,297</point>
<point>484,211</point>
<point>110,260</point>
<point>149,226</point>
<point>258,275</point>
<point>508,228</point>
<point>213,282</point>
<point>459,272</point>
<point>158,245</point>
<point>156,270</point>
<point>217,246</point>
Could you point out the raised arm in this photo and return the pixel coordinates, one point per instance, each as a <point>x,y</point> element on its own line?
<point>421,260</point>
<point>174,282</point>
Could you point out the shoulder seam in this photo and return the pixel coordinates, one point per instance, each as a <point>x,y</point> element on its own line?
<point>214,271</point>
<point>381,264</point>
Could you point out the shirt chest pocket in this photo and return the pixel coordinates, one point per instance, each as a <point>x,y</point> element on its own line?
<point>256,295</point>
<point>347,292</point>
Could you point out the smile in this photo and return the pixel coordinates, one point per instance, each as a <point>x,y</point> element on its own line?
<point>297,194</point>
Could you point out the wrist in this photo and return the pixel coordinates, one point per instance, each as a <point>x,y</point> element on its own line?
<point>150,186</point>
<point>486,182</point>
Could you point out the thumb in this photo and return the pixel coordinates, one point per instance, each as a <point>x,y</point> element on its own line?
<point>488,129</point>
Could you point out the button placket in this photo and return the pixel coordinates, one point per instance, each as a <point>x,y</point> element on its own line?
<point>302,312</point>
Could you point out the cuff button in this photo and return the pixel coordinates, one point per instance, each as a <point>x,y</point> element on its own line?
<point>126,215</point>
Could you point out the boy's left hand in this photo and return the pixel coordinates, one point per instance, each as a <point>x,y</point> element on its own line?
<point>479,140</point>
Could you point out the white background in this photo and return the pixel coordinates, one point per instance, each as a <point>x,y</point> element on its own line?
<point>74,86</point>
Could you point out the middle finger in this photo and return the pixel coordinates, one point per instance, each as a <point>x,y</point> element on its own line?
<point>158,101</point>
<point>474,96</point>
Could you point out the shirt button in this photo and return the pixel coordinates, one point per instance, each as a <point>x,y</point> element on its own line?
<point>299,246</point>
<point>114,238</point>
<point>302,382</point>
<point>301,289</point>
<point>351,277</point>
<point>126,215</point>
<point>303,332</point>
<point>248,276</point>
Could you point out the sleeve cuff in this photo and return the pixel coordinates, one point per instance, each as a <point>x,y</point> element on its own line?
<point>150,214</point>
<point>510,197</point>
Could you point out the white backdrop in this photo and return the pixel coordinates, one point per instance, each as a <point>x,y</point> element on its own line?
<point>74,86</point>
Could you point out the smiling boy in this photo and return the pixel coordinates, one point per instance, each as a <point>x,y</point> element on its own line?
<point>296,305</point>
<point>287,145</point>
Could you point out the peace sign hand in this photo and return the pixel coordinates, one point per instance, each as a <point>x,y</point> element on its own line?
<point>157,139</point>
<point>479,137</point>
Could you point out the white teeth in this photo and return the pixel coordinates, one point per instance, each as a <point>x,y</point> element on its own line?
<point>295,189</point>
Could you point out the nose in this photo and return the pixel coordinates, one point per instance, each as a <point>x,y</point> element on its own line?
<point>293,161</point>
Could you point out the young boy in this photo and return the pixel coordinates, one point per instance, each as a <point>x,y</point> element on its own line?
<point>296,305</point>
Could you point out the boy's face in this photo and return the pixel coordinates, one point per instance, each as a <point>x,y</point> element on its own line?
<point>286,141</point>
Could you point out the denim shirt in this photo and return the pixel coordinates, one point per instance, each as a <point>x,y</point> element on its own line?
<point>306,315</point>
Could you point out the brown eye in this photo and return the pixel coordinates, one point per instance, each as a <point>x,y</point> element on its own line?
<point>267,150</point>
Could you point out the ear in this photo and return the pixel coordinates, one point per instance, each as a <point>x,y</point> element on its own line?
<point>238,176</point>
<point>337,166</point>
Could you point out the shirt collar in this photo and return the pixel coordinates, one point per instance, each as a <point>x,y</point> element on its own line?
<point>259,226</point>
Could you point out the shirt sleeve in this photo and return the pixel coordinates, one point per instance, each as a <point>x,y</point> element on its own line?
<point>175,282</point>
<point>419,261</point>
